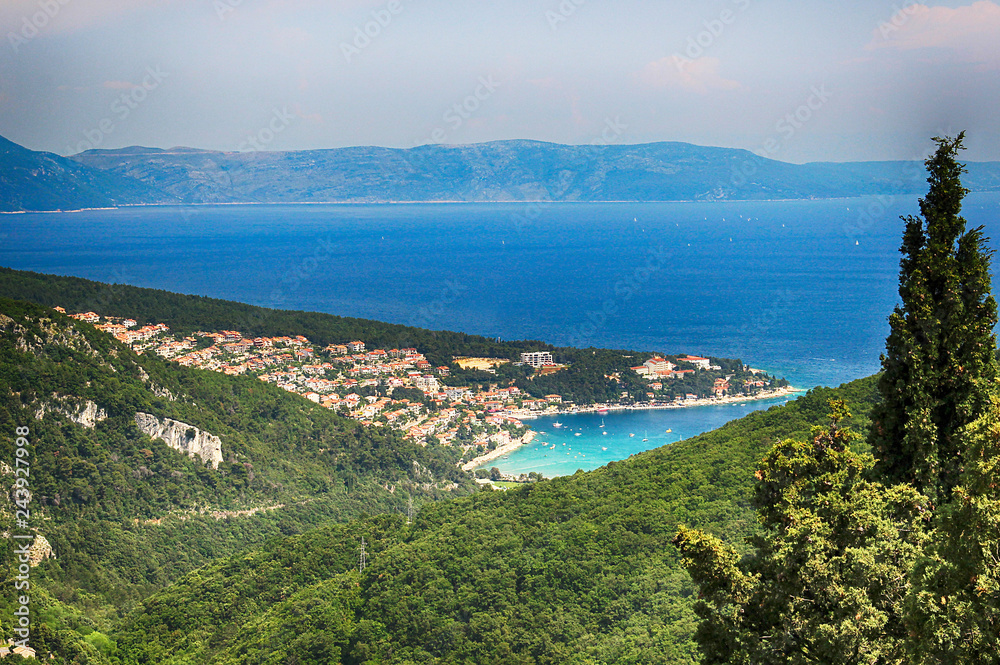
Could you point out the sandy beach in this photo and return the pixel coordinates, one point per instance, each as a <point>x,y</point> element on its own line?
<point>499,451</point>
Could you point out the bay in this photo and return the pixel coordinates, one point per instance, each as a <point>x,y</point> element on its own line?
<point>586,441</point>
<point>800,288</point>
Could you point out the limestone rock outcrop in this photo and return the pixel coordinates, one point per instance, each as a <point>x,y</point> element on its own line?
<point>181,436</point>
<point>84,413</point>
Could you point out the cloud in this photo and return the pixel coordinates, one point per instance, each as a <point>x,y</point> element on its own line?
<point>970,33</point>
<point>700,75</point>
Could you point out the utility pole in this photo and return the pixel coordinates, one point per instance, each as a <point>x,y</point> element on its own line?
<point>364,556</point>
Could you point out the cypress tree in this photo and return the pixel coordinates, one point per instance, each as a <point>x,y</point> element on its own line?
<point>940,365</point>
<point>953,605</point>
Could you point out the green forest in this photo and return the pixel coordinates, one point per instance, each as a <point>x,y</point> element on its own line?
<point>126,515</point>
<point>858,524</point>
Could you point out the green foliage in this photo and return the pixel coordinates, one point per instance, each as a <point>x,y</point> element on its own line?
<point>940,354</point>
<point>127,515</point>
<point>586,380</point>
<point>575,570</point>
<point>954,604</point>
<point>827,575</point>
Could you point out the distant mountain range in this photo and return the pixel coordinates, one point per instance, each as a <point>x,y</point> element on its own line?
<point>517,170</point>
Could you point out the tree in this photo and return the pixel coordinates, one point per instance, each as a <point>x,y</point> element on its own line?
<point>939,366</point>
<point>953,608</point>
<point>826,579</point>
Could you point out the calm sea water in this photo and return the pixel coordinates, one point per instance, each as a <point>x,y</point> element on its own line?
<point>590,440</point>
<point>801,288</point>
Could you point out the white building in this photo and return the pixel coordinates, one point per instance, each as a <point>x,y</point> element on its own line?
<point>697,361</point>
<point>428,384</point>
<point>537,358</point>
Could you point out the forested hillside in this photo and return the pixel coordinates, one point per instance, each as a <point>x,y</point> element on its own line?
<point>575,570</point>
<point>125,514</point>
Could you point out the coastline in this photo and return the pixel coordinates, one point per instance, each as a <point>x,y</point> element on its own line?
<point>508,448</point>
<point>707,401</point>
<point>500,451</point>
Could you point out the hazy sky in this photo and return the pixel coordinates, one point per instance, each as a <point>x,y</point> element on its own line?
<point>810,80</point>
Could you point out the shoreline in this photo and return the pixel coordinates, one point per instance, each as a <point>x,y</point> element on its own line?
<point>500,451</point>
<point>707,401</point>
<point>391,202</point>
<point>508,448</point>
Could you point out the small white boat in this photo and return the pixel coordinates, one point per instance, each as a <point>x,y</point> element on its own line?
<point>604,447</point>
<point>577,434</point>
<point>630,435</point>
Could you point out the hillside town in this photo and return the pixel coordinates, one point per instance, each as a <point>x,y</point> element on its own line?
<point>397,388</point>
<point>351,379</point>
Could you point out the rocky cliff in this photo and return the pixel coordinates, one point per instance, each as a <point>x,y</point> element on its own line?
<point>84,413</point>
<point>181,436</point>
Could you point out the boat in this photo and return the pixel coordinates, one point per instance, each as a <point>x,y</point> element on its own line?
<point>604,433</point>
<point>645,437</point>
<point>577,434</point>
<point>602,411</point>
<point>557,424</point>
<point>669,430</point>
<point>602,423</point>
<point>604,447</point>
<point>630,435</point>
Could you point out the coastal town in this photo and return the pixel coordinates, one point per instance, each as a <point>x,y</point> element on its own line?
<point>399,388</point>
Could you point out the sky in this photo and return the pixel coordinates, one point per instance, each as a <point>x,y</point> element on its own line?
<point>796,81</point>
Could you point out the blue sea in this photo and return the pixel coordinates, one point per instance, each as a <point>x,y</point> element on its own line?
<point>800,288</point>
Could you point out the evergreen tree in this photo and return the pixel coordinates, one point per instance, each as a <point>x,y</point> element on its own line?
<point>939,366</point>
<point>827,576</point>
<point>953,608</point>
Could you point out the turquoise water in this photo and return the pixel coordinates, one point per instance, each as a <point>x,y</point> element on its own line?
<point>800,288</point>
<point>582,443</point>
